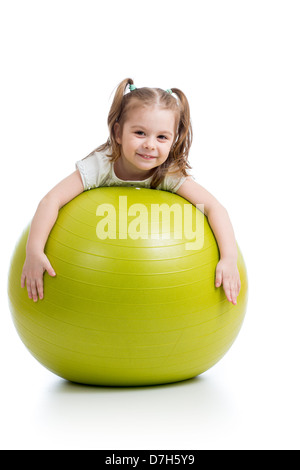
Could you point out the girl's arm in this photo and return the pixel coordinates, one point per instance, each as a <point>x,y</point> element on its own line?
<point>226,272</point>
<point>36,262</point>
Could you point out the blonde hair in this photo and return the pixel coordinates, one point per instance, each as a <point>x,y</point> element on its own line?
<point>177,161</point>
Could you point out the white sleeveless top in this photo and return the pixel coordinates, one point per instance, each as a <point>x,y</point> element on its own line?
<point>98,170</point>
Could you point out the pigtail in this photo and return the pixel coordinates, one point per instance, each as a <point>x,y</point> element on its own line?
<point>113,116</point>
<point>116,107</point>
<point>184,139</point>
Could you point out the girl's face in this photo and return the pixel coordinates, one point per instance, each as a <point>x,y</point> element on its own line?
<point>146,140</point>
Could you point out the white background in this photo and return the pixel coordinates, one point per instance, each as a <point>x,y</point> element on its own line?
<point>238,63</point>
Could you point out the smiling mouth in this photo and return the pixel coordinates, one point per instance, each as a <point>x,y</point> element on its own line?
<point>146,157</point>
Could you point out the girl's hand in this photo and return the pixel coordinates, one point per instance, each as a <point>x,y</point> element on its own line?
<point>227,273</point>
<point>34,267</point>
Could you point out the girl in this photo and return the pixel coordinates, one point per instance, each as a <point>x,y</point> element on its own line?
<point>150,137</point>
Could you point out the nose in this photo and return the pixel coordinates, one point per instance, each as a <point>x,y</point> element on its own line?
<point>149,144</point>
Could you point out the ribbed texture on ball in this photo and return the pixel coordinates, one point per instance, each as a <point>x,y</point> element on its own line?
<point>124,311</point>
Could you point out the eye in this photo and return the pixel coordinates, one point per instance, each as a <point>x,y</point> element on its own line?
<point>163,137</point>
<point>139,132</point>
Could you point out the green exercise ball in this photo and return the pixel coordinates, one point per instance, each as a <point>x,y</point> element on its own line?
<point>133,301</point>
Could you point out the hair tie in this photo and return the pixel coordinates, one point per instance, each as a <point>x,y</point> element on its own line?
<point>132,87</point>
<point>169,91</point>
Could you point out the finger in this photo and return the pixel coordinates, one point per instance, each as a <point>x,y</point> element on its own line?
<point>40,288</point>
<point>34,291</point>
<point>49,269</point>
<point>23,280</point>
<point>237,289</point>
<point>227,290</point>
<point>235,293</point>
<point>231,293</point>
<point>28,284</point>
<point>218,280</point>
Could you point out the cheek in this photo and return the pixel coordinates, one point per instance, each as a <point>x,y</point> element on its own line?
<point>131,142</point>
<point>130,146</point>
<point>168,148</point>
